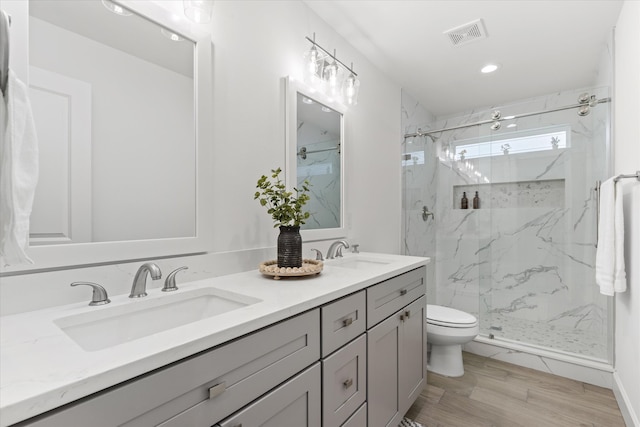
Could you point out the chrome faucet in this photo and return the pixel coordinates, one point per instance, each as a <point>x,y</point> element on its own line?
<point>335,250</point>
<point>139,287</point>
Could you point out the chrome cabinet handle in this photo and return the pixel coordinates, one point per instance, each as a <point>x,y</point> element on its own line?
<point>403,292</point>
<point>407,313</point>
<point>347,321</point>
<point>348,383</point>
<point>217,390</point>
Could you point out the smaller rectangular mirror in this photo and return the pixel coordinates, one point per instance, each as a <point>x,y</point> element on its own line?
<point>315,152</point>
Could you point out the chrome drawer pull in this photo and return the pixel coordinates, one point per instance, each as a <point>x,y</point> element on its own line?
<point>403,292</point>
<point>347,321</point>
<point>407,313</point>
<point>402,317</point>
<point>217,390</point>
<point>348,383</point>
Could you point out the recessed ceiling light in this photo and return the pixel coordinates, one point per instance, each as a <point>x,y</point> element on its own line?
<point>307,100</point>
<point>116,8</point>
<point>170,35</point>
<point>490,68</point>
<point>326,109</point>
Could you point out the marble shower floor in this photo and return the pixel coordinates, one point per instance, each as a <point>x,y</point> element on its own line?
<point>582,342</point>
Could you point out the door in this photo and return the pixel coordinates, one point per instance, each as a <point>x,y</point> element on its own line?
<point>383,342</point>
<point>412,353</point>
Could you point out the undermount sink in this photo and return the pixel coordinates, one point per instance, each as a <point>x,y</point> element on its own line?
<point>359,263</point>
<point>134,319</point>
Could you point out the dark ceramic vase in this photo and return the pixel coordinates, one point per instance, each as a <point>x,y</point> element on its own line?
<point>289,247</point>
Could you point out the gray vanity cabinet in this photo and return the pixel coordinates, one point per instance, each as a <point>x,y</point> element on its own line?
<point>344,363</point>
<point>356,361</point>
<point>203,389</point>
<point>396,347</point>
<point>294,404</point>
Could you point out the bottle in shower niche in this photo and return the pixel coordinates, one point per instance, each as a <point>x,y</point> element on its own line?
<point>464,202</point>
<point>476,201</point>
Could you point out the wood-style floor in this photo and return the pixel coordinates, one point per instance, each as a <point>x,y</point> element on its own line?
<point>495,393</point>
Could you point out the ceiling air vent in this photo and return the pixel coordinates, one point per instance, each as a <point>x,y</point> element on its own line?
<point>467,33</point>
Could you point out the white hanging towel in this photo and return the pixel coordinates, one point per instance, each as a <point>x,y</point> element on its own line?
<point>18,172</point>
<point>610,269</point>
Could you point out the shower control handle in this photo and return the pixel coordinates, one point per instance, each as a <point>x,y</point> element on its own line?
<point>426,214</point>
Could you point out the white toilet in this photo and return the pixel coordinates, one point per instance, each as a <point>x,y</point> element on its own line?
<point>447,330</point>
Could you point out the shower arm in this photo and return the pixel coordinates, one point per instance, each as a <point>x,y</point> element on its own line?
<point>517,116</point>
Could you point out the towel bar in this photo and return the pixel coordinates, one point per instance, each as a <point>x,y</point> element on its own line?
<point>597,190</point>
<point>633,175</point>
<point>5,23</point>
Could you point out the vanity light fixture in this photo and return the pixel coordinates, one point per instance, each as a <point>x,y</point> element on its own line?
<point>350,88</point>
<point>327,74</point>
<point>489,68</point>
<point>198,11</point>
<point>312,60</point>
<point>116,8</point>
<point>331,74</point>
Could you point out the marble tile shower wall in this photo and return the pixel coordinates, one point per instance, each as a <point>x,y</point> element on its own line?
<point>419,181</point>
<point>524,262</point>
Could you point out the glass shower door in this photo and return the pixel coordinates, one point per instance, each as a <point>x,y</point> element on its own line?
<point>542,229</point>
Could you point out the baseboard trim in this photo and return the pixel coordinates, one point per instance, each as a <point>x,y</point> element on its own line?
<point>628,413</point>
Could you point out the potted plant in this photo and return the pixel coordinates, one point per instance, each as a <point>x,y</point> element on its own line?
<point>285,207</point>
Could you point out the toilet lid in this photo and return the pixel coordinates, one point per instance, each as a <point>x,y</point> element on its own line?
<point>445,316</point>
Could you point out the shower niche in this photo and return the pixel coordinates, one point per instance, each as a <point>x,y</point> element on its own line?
<point>514,195</point>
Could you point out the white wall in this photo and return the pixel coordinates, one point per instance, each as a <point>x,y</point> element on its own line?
<point>256,44</point>
<point>627,160</point>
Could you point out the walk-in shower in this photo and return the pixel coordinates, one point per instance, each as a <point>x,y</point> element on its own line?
<point>522,260</point>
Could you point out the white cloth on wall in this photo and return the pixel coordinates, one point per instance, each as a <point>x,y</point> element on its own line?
<point>610,268</point>
<point>18,172</point>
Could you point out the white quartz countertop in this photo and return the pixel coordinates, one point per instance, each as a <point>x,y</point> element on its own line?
<point>42,368</point>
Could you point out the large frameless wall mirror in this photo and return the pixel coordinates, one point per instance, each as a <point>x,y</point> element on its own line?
<point>315,152</point>
<point>117,89</point>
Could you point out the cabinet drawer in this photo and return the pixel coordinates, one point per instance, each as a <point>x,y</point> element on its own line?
<point>344,382</point>
<point>296,403</point>
<point>389,296</point>
<point>204,388</point>
<point>342,321</point>
<point>359,419</point>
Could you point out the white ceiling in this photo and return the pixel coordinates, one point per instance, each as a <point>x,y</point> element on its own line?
<point>543,46</point>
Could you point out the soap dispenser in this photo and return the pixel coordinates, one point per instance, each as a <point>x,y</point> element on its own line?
<point>464,202</point>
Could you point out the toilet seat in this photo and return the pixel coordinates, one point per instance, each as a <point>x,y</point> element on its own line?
<point>449,317</point>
